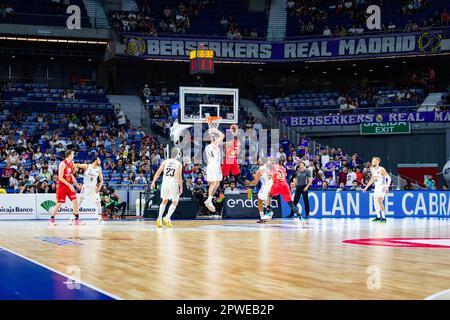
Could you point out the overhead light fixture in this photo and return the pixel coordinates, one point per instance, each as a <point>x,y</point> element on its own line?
<point>53,40</point>
<point>89,59</point>
<point>386,66</point>
<point>51,58</point>
<point>404,62</point>
<point>306,67</point>
<point>370,70</point>
<point>324,72</point>
<point>339,69</point>
<point>13,57</point>
<point>355,74</point>
<point>292,71</point>
<point>354,65</point>
<point>260,69</point>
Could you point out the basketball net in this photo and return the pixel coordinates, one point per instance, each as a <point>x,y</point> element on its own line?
<point>213,121</point>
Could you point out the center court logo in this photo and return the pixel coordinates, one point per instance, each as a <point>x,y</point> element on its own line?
<point>443,243</point>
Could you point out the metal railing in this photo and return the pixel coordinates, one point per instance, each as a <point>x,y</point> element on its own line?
<point>56,20</point>
<point>43,19</point>
<point>68,106</point>
<point>195,37</point>
<point>300,110</point>
<point>444,29</point>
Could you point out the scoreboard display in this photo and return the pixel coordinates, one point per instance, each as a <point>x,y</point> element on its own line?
<point>201,61</point>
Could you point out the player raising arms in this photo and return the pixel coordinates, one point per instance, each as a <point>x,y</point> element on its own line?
<point>171,187</point>
<point>92,184</point>
<point>64,187</point>
<point>230,164</point>
<point>263,174</point>
<point>382,181</point>
<point>280,185</point>
<point>213,169</point>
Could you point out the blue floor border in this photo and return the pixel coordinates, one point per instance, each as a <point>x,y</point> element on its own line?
<point>22,278</point>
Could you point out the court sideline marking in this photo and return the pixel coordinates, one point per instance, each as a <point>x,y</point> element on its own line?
<point>436,295</point>
<point>61,274</point>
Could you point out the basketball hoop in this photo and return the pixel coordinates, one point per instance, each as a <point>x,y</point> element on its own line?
<point>213,121</point>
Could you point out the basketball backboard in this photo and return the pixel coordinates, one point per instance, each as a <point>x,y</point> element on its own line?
<point>197,103</point>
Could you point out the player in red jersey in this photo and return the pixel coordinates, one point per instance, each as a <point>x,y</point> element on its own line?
<point>281,187</point>
<point>64,187</point>
<point>230,164</point>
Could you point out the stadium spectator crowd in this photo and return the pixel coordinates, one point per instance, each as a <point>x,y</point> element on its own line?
<point>6,10</point>
<point>348,17</point>
<point>29,160</point>
<point>133,22</point>
<point>226,19</point>
<point>171,19</point>
<point>354,100</point>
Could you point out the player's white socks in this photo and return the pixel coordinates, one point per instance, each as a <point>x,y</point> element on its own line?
<point>209,198</point>
<point>162,208</point>
<point>383,215</point>
<point>378,214</point>
<point>261,214</point>
<point>170,211</point>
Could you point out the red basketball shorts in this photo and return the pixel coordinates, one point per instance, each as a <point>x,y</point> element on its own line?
<point>281,188</point>
<point>63,191</point>
<point>230,167</point>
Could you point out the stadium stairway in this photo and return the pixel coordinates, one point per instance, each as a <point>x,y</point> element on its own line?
<point>251,106</point>
<point>131,106</point>
<point>276,28</point>
<point>430,102</point>
<point>96,14</point>
<point>129,5</point>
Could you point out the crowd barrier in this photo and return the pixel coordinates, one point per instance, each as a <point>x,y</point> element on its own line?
<point>323,204</point>
<point>348,204</point>
<point>39,206</point>
<point>358,204</point>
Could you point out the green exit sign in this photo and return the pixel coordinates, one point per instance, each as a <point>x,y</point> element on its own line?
<point>385,128</point>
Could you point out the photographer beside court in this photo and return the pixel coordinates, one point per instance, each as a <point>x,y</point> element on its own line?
<point>113,205</point>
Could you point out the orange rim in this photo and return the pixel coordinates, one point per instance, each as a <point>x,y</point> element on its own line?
<point>213,119</point>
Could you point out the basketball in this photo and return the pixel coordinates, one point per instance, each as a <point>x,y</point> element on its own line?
<point>234,129</point>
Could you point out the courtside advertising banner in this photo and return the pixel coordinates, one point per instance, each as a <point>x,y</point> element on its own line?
<point>17,206</point>
<point>239,206</point>
<point>358,204</point>
<point>46,202</point>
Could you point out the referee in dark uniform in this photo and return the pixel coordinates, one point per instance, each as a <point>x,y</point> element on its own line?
<point>303,180</point>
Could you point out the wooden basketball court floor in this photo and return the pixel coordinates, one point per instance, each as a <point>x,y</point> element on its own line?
<point>233,259</point>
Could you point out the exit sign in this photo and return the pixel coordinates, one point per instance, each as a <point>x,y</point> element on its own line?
<point>385,128</point>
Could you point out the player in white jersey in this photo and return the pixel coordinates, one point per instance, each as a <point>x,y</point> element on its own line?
<point>381,179</point>
<point>92,184</point>
<point>264,174</point>
<point>171,187</point>
<point>213,168</point>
